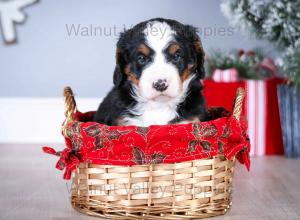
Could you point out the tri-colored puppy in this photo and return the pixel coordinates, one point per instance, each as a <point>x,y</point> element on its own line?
<point>159,64</point>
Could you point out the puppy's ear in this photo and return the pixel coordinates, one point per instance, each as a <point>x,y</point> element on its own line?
<point>195,41</point>
<point>200,71</point>
<point>119,75</point>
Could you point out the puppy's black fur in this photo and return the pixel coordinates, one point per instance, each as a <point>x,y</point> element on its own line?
<point>119,100</point>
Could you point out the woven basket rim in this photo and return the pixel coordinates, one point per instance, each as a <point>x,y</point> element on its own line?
<point>150,126</point>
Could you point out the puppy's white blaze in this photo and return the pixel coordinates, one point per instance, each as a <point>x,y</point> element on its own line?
<point>150,112</point>
<point>158,36</point>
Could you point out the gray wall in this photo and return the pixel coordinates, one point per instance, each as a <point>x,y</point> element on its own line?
<point>46,58</point>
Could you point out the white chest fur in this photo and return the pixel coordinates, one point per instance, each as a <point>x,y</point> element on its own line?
<point>152,113</point>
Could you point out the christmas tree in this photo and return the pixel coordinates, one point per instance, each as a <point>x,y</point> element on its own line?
<point>277,21</point>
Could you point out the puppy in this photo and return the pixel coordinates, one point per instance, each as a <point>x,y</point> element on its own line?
<point>159,65</point>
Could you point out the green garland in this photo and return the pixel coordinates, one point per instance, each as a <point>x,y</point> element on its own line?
<point>248,64</point>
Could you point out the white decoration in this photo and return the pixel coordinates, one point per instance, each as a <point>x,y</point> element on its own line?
<point>11,13</point>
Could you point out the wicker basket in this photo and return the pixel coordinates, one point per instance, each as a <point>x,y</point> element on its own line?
<point>185,190</point>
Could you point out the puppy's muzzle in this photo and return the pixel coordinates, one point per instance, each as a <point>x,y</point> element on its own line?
<point>160,85</point>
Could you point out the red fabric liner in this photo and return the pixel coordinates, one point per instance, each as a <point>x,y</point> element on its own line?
<point>96,143</point>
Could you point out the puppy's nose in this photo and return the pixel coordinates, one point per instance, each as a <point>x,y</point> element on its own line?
<point>160,85</point>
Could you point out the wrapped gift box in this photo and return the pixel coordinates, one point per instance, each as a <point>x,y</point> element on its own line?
<point>261,110</point>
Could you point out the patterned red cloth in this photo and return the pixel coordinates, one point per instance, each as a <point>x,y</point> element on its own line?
<point>130,145</point>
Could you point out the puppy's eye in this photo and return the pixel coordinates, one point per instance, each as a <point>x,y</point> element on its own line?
<point>177,57</point>
<point>141,59</point>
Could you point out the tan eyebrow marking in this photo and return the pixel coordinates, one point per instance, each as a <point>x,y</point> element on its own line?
<point>173,48</point>
<point>144,49</point>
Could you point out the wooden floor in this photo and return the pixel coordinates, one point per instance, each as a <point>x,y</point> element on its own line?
<point>30,188</point>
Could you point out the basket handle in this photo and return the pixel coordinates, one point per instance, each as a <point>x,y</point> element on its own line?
<point>238,103</point>
<point>70,107</point>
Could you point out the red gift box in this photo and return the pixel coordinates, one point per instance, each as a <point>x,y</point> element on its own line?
<point>261,109</point>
